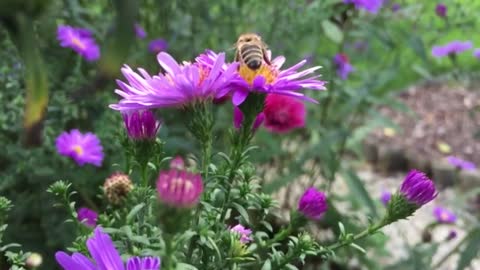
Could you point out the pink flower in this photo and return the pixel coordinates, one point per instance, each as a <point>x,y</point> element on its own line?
<point>177,163</point>
<point>80,40</point>
<point>179,188</point>
<point>87,216</point>
<point>283,113</point>
<point>82,148</point>
<point>243,232</point>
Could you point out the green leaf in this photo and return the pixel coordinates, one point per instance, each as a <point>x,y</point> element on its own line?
<point>358,191</point>
<point>242,211</point>
<point>134,211</point>
<point>185,266</point>
<point>471,249</point>
<point>332,31</point>
<point>267,265</point>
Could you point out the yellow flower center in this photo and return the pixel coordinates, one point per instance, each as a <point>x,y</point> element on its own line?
<point>77,42</point>
<point>78,149</point>
<point>265,70</point>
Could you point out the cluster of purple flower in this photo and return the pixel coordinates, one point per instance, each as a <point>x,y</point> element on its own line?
<point>81,40</point>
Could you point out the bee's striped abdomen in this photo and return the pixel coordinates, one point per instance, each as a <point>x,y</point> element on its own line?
<point>252,55</point>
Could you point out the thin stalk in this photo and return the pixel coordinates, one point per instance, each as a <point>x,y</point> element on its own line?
<point>453,251</point>
<point>367,232</point>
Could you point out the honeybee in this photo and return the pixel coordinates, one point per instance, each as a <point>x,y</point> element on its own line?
<point>251,51</point>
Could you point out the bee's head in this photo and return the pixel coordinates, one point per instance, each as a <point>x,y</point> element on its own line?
<point>249,38</point>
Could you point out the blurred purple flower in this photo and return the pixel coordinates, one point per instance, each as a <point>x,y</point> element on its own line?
<point>461,163</point>
<point>243,232</point>
<point>396,7</point>
<point>181,85</point>
<point>444,215</point>
<point>417,188</point>
<point>385,197</point>
<point>283,113</point>
<point>451,48</point>
<point>343,65</point>
<point>372,6</point>
<point>452,235</point>
<point>476,53</point>
<point>179,188</point>
<point>177,163</point>
<point>313,204</point>
<point>82,148</point>
<point>87,216</point>
<point>158,45</point>
<point>104,256</point>
<point>441,10</point>
<point>141,125</point>
<point>139,31</point>
<point>80,40</point>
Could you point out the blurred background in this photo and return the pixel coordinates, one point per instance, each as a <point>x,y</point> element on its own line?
<point>400,107</point>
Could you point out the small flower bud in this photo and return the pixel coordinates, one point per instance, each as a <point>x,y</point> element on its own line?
<point>244,233</point>
<point>179,188</point>
<point>141,125</point>
<point>34,260</point>
<point>313,204</point>
<point>87,216</point>
<point>116,187</point>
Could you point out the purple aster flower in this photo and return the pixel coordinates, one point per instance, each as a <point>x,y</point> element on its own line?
<point>139,31</point>
<point>82,148</point>
<point>417,188</point>
<point>461,163</point>
<point>158,45</point>
<point>243,232</point>
<point>182,85</point>
<point>385,197</point>
<point>444,215</point>
<point>451,48</point>
<point>80,40</point>
<point>269,79</point>
<point>179,188</point>
<point>313,204</point>
<point>343,65</point>
<point>441,10</point>
<point>476,53</point>
<point>141,125</point>
<point>104,257</point>
<point>372,6</point>
<point>87,216</point>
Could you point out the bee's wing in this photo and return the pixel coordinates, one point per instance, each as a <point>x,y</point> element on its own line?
<point>266,55</point>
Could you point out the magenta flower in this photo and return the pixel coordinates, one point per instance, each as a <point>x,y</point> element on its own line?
<point>177,163</point>
<point>476,53</point>
<point>451,48</point>
<point>283,113</point>
<point>372,6</point>
<point>158,45</point>
<point>80,40</point>
<point>82,148</point>
<point>385,197</point>
<point>313,204</point>
<point>87,216</point>
<point>141,125</point>
<point>269,79</point>
<point>243,232</point>
<point>139,31</point>
<point>417,188</point>
<point>461,163</point>
<point>441,10</point>
<point>444,215</point>
<point>182,85</point>
<point>104,257</point>
<point>179,188</point>
<point>343,65</point>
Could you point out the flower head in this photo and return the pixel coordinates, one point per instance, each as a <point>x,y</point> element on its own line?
<point>141,125</point>
<point>179,188</point>
<point>177,163</point>
<point>139,31</point>
<point>461,163</point>
<point>104,257</point>
<point>343,65</point>
<point>385,197</point>
<point>158,45</point>
<point>417,188</point>
<point>87,216</point>
<point>372,6</point>
<point>82,148</point>
<point>441,10</point>
<point>313,204</point>
<point>283,113</point>
<point>181,85</point>
<point>243,232</point>
<point>444,215</point>
<point>476,53</point>
<point>269,79</point>
<point>80,40</point>
<point>451,48</point>
<point>117,187</point>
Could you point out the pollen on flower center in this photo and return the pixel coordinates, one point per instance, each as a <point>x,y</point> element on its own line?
<point>77,42</point>
<point>78,149</point>
<point>265,70</point>
<point>444,216</point>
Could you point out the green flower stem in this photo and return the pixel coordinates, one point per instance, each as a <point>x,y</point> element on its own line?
<point>144,173</point>
<point>371,230</point>
<point>280,236</point>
